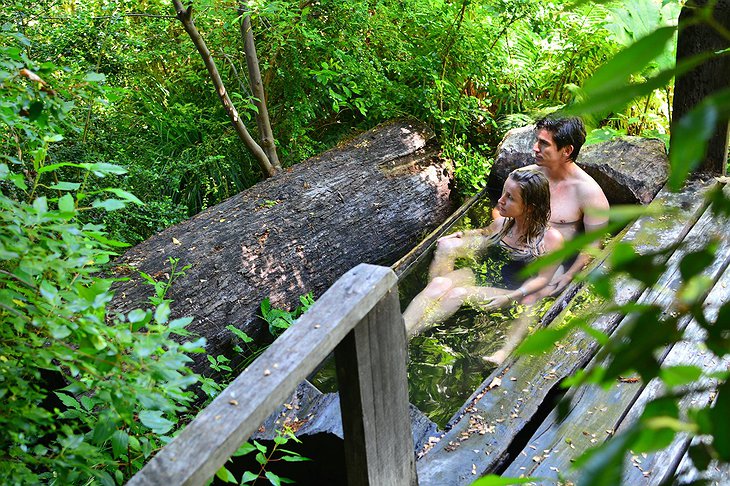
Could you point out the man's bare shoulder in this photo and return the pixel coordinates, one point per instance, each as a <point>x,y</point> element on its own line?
<point>588,188</point>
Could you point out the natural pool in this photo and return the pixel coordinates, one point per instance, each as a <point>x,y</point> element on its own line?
<point>446,362</point>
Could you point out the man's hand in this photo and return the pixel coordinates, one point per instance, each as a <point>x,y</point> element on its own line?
<point>561,282</point>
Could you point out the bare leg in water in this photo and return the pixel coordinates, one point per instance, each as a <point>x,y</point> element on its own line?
<point>451,248</point>
<point>443,297</point>
<point>439,300</point>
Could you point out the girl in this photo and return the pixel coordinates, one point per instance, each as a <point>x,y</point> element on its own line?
<point>521,231</point>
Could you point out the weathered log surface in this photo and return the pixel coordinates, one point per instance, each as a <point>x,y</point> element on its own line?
<point>504,410</point>
<point>368,200</point>
<point>630,170</point>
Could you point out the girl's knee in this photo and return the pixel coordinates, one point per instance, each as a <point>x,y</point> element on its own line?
<point>456,293</point>
<point>438,287</point>
<point>448,246</point>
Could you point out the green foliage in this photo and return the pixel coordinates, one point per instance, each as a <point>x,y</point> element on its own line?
<point>266,459</point>
<point>329,69</point>
<point>635,347</point>
<point>87,396</point>
<point>279,320</point>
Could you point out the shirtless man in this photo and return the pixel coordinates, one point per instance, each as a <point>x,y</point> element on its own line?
<point>574,195</point>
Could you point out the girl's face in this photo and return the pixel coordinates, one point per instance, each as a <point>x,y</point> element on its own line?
<point>511,205</point>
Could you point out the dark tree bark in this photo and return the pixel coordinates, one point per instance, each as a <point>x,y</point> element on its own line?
<point>266,134</point>
<point>691,88</point>
<point>185,16</point>
<point>369,201</point>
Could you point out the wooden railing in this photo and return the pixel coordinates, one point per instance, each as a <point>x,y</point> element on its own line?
<point>359,318</point>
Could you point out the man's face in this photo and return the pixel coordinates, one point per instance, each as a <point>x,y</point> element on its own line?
<point>547,152</point>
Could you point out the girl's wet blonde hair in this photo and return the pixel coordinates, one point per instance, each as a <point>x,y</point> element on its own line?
<point>536,199</point>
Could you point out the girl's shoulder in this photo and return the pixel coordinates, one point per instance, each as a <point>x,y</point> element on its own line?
<point>553,239</point>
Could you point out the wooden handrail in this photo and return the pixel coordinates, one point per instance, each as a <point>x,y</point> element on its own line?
<point>359,318</point>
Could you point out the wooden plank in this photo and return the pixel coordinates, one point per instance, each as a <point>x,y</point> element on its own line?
<point>596,413</point>
<point>662,465</point>
<point>494,415</point>
<point>209,440</point>
<point>717,473</point>
<point>371,372</point>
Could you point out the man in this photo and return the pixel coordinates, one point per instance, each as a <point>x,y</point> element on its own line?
<point>577,202</point>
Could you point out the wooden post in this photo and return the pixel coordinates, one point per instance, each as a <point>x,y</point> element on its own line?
<point>207,442</point>
<point>371,372</point>
<point>706,79</point>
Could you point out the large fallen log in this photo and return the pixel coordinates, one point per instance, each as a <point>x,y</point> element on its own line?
<point>368,200</point>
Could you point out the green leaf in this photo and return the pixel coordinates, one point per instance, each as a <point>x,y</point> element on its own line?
<point>273,478</point>
<point>94,77</point>
<point>66,203</point>
<point>52,167</point>
<point>102,169</point>
<point>120,442</point>
<point>248,476</point>
<point>109,204</point>
<point>701,456</point>
<point>691,134</point>
<point>721,422</point>
<point>69,401</point>
<point>606,101</point>
<point>239,334</point>
<point>296,458</point>
<point>259,446</point>
<point>542,340</point>
<point>245,448</point>
<point>613,75</point>
<point>680,375</point>
<point>225,475</point>
<point>138,315</point>
<point>261,458</point>
<point>494,480</point>
<point>127,196</point>
<point>104,429</point>
<point>66,186</point>
<point>34,110</point>
<point>41,205</point>
<point>180,323</point>
<point>162,313</point>
<point>154,420</point>
<point>603,466</point>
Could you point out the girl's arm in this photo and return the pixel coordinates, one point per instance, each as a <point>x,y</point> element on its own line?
<point>553,241</point>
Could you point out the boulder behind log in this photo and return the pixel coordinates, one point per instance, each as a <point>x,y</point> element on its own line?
<point>630,170</point>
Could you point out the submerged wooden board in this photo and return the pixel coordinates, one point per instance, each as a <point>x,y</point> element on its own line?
<point>484,429</point>
<point>596,413</point>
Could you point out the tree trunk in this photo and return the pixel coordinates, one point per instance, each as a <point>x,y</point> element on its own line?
<point>257,88</point>
<point>185,16</point>
<point>691,88</point>
<point>369,201</point>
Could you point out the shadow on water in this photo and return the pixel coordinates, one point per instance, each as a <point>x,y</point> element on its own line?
<point>446,362</point>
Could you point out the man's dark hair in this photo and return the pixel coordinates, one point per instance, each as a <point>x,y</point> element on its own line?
<point>566,131</point>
